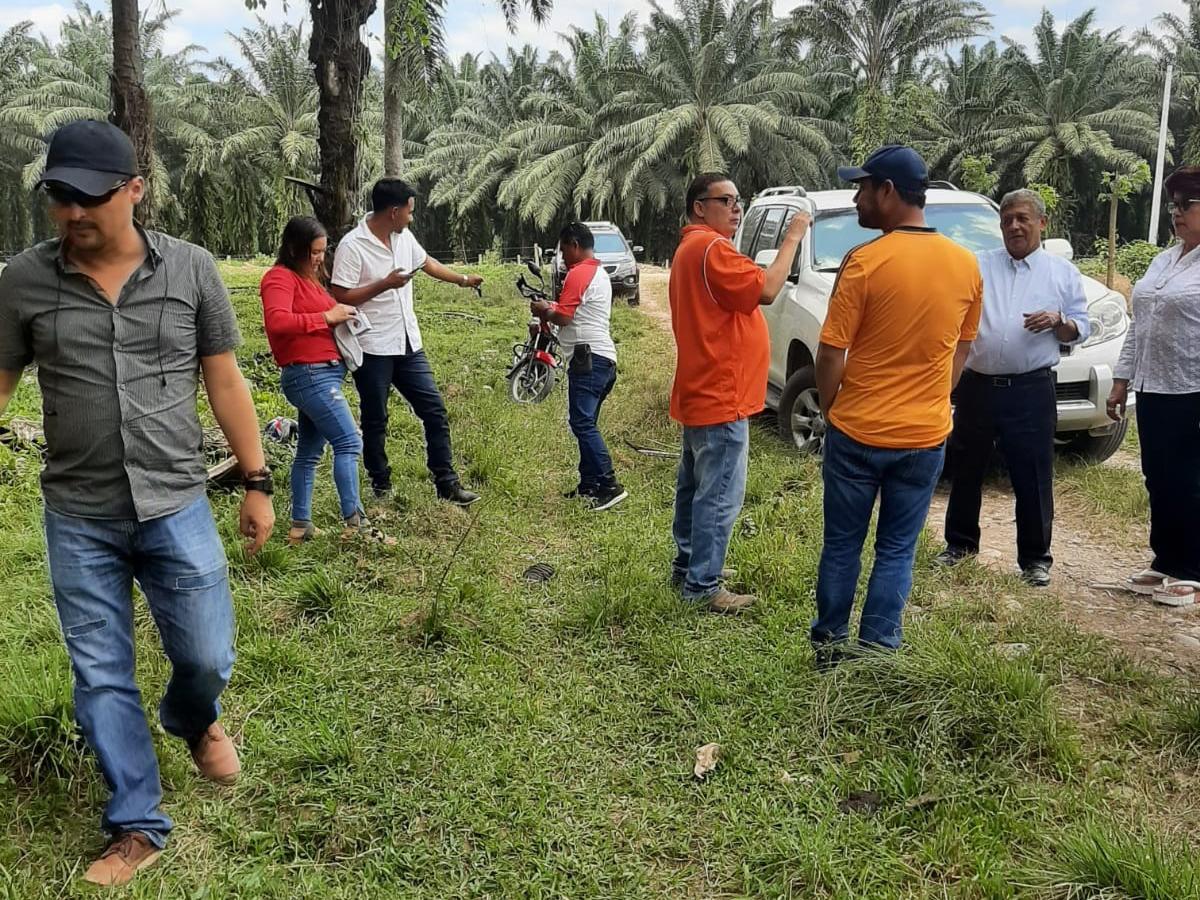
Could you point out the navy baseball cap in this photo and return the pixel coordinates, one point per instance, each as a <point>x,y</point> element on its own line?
<point>900,165</point>
<point>91,157</point>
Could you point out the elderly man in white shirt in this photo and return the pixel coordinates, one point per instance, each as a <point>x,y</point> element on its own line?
<point>372,269</point>
<point>1032,304</point>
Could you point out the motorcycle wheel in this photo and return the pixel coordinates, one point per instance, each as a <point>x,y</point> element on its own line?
<point>531,382</point>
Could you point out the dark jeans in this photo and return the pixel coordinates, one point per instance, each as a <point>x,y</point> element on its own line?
<point>413,378</point>
<point>854,475</point>
<point>586,393</point>
<point>1018,414</point>
<point>1169,432</point>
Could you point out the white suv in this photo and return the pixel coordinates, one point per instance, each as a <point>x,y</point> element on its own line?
<point>1084,376</point>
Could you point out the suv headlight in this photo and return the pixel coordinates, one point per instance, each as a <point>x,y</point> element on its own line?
<point>1108,319</point>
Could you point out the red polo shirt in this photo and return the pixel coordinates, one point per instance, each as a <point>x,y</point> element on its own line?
<point>294,318</point>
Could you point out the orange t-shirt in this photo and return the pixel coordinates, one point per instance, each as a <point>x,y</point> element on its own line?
<point>900,305</point>
<point>720,333</point>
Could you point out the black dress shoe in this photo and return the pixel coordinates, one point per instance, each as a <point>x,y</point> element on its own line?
<point>950,557</point>
<point>1037,575</point>
<point>458,495</point>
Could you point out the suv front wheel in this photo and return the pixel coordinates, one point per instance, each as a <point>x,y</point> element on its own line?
<point>800,419</point>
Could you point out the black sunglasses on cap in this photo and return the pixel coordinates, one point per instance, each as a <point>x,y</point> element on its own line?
<point>65,195</point>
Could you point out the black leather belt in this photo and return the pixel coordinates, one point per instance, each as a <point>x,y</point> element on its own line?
<point>1010,380</point>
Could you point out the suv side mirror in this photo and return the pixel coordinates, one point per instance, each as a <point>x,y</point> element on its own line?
<point>764,258</point>
<point>638,249</point>
<point>1059,247</point>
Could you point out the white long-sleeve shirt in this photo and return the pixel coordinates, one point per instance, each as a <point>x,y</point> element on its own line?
<point>1159,355</point>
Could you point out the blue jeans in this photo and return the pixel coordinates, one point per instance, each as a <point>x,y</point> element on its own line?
<point>709,490</point>
<point>316,392</point>
<point>854,475</point>
<point>413,378</point>
<point>586,393</point>
<point>180,565</point>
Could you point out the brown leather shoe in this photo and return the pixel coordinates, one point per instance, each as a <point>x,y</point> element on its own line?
<point>724,601</point>
<point>124,856</point>
<point>215,756</point>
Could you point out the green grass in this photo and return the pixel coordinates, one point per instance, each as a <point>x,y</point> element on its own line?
<point>418,721</point>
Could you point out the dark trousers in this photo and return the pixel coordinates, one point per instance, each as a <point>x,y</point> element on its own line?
<point>1169,432</point>
<point>413,378</point>
<point>586,393</point>
<point>1017,413</point>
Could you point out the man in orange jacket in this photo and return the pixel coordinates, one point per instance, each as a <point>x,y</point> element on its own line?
<point>720,378</point>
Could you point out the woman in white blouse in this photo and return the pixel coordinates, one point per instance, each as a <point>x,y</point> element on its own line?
<point>1159,361</point>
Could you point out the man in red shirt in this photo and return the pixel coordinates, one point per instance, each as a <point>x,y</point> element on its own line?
<point>720,379</point>
<point>582,313</point>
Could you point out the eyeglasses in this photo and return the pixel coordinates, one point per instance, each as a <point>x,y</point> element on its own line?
<point>726,200</point>
<point>1182,206</point>
<point>65,195</point>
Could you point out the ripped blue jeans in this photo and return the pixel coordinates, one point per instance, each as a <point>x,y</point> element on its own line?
<point>179,564</point>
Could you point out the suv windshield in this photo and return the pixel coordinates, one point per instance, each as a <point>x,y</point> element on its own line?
<point>607,242</point>
<point>974,225</point>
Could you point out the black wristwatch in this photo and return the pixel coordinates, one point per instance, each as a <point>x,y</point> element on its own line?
<point>259,480</point>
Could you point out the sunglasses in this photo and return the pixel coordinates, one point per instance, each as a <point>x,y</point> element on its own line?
<point>1182,206</point>
<point>726,200</point>
<point>65,195</point>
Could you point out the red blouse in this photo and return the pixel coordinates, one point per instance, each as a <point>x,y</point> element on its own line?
<point>293,313</point>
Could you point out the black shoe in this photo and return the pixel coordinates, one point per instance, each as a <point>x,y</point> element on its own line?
<point>1037,575</point>
<point>950,557</point>
<point>608,497</point>
<point>577,492</point>
<point>458,495</point>
<point>827,657</point>
<point>382,491</point>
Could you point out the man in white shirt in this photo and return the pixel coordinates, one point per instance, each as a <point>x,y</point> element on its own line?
<point>582,313</point>
<point>372,270</point>
<point>1032,303</point>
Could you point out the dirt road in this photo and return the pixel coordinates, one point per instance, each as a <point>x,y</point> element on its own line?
<point>1086,553</point>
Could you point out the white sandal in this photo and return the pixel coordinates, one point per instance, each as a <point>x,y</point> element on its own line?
<point>1176,592</point>
<point>1145,582</point>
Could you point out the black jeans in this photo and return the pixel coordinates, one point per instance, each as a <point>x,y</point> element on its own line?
<point>413,378</point>
<point>1019,414</point>
<point>1169,432</point>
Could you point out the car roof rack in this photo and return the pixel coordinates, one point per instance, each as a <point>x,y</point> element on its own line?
<point>794,190</point>
<point>945,185</point>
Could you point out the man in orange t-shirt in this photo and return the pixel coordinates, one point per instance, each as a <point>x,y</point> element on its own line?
<point>720,379</point>
<point>904,311</point>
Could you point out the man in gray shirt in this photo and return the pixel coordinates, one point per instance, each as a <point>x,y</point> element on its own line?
<point>120,322</point>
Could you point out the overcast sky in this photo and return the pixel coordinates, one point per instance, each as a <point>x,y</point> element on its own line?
<point>476,26</point>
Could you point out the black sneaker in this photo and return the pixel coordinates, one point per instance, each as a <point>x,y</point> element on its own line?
<point>577,492</point>
<point>608,497</point>
<point>458,495</point>
<point>1037,575</point>
<point>382,491</point>
<point>950,557</point>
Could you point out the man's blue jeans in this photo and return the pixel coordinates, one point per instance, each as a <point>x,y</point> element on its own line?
<point>709,490</point>
<point>586,393</point>
<point>854,475</point>
<point>180,565</point>
<point>316,392</point>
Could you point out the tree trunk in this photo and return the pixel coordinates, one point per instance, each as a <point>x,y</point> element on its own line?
<point>131,106</point>
<point>340,62</point>
<point>1112,240</point>
<point>393,90</point>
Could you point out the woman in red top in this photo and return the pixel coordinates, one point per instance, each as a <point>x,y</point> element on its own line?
<point>299,316</point>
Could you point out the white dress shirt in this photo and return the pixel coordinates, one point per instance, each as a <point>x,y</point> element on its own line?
<point>362,258</point>
<point>1013,287</point>
<point>1159,355</point>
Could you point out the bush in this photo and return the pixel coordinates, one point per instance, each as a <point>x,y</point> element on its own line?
<point>1132,259</point>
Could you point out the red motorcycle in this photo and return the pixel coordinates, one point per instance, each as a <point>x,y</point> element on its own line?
<point>536,363</point>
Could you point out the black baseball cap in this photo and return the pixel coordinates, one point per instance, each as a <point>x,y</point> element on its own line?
<point>91,157</point>
<point>900,165</point>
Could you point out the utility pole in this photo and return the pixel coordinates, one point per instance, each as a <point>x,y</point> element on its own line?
<point>1156,196</point>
